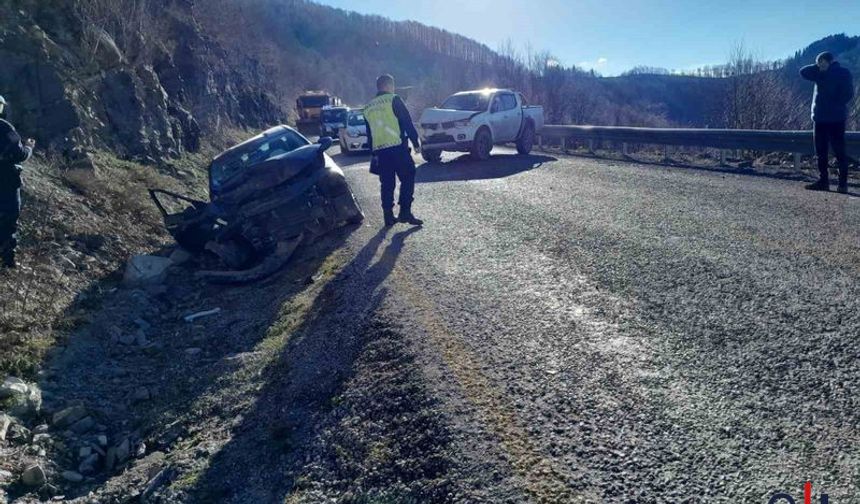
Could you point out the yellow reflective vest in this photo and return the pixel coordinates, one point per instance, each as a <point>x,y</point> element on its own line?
<point>383,124</point>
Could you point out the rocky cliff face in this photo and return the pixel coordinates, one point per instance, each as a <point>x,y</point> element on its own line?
<point>73,88</point>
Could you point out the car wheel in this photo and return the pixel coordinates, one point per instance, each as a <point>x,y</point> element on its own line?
<point>526,140</point>
<point>431,156</point>
<point>482,144</point>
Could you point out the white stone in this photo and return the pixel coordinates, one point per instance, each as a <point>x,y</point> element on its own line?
<point>146,270</point>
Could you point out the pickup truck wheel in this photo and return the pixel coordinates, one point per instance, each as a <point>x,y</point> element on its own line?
<point>526,140</point>
<point>482,144</point>
<point>431,156</point>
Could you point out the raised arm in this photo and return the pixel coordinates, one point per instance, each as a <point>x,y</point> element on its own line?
<point>810,73</point>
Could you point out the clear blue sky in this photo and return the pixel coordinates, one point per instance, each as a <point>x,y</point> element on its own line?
<point>612,36</point>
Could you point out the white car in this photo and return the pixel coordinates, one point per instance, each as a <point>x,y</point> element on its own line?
<point>474,121</point>
<point>353,137</point>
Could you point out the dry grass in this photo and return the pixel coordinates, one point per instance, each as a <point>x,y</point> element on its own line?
<point>77,229</point>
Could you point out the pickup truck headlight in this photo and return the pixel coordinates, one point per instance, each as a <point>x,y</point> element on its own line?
<point>461,123</point>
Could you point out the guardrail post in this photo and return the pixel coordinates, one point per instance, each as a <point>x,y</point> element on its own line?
<point>624,151</point>
<point>591,146</point>
<point>797,160</point>
<point>666,157</point>
<point>564,144</point>
<point>540,142</point>
<point>722,157</point>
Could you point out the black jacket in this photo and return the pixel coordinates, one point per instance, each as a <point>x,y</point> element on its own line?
<point>407,129</point>
<point>12,152</point>
<point>834,90</point>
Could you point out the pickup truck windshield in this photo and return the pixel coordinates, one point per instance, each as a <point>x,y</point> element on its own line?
<point>474,102</point>
<point>313,101</point>
<point>334,116</point>
<point>356,120</point>
<point>255,153</point>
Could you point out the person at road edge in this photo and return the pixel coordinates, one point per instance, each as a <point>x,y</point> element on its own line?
<point>12,152</point>
<point>834,90</point>
<point>389,129</point>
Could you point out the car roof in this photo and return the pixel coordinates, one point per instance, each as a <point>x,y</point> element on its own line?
<point>482,91</point>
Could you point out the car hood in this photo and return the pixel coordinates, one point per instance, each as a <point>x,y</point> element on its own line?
<point>267,174</point>
<point>437,115</point>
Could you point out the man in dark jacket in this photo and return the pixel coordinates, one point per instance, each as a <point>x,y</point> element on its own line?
<point>12,152</point>
<point>389,128</point>
<point>834,90</point>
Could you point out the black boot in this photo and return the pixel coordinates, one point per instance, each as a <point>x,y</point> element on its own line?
<point>407,217</point>
<point>821,185</point>
<point>388,215</point>
<point>843,181</point>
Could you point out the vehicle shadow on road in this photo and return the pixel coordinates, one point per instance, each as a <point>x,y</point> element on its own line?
<point>270,444</point>
<point>465,168</point>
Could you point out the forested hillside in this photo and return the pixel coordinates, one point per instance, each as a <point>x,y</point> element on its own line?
<point>145,78</point>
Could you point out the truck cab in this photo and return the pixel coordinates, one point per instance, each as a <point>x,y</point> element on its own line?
<point>474,121</point>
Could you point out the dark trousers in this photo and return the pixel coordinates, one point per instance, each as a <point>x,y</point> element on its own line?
<point>396,162</point>
<point>829,135</point>
<point>10,210</point>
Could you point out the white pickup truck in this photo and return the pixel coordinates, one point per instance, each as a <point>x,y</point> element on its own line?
<point>474,121</point>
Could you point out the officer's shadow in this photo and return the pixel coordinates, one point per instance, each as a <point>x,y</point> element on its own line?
<point>385,264</point>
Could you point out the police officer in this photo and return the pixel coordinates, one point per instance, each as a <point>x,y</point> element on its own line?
<point>389,127</point>
<point>12,152</point>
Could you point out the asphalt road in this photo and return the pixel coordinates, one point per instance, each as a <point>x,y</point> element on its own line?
<point>567,329</point>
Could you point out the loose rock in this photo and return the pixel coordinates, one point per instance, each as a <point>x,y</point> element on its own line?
<point>88,465</point>
<point>34,476</point>
<point>5,423</point>
<point>72,476</point>
<point>22,399</point>
<point>83,425</point>
<point>68,416</point>
<point>146,270</point>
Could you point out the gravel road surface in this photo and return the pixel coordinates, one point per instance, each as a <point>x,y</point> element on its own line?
<point>594,331</point>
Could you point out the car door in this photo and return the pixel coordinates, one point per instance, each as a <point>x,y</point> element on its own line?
<point>509,118</point>
<point>497,118</point>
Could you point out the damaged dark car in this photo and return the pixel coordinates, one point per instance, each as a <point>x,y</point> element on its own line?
<point>267,195</point>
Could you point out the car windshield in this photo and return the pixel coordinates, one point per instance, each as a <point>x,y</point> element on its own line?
<point>474,102</point>
<point>254,153</point>
<point>357,120</point>
<point>331,116</point>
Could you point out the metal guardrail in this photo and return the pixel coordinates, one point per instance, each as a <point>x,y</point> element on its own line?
<point>797,142</point>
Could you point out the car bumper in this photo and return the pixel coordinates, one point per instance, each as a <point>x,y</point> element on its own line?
<point>457,139</point>
<point>447,146</point>
<point>355,144</point>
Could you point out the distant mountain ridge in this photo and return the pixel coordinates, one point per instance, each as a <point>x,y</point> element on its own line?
<point>147,78</point>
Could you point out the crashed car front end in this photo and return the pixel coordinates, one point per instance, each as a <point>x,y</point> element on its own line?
<point>267,195</point>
